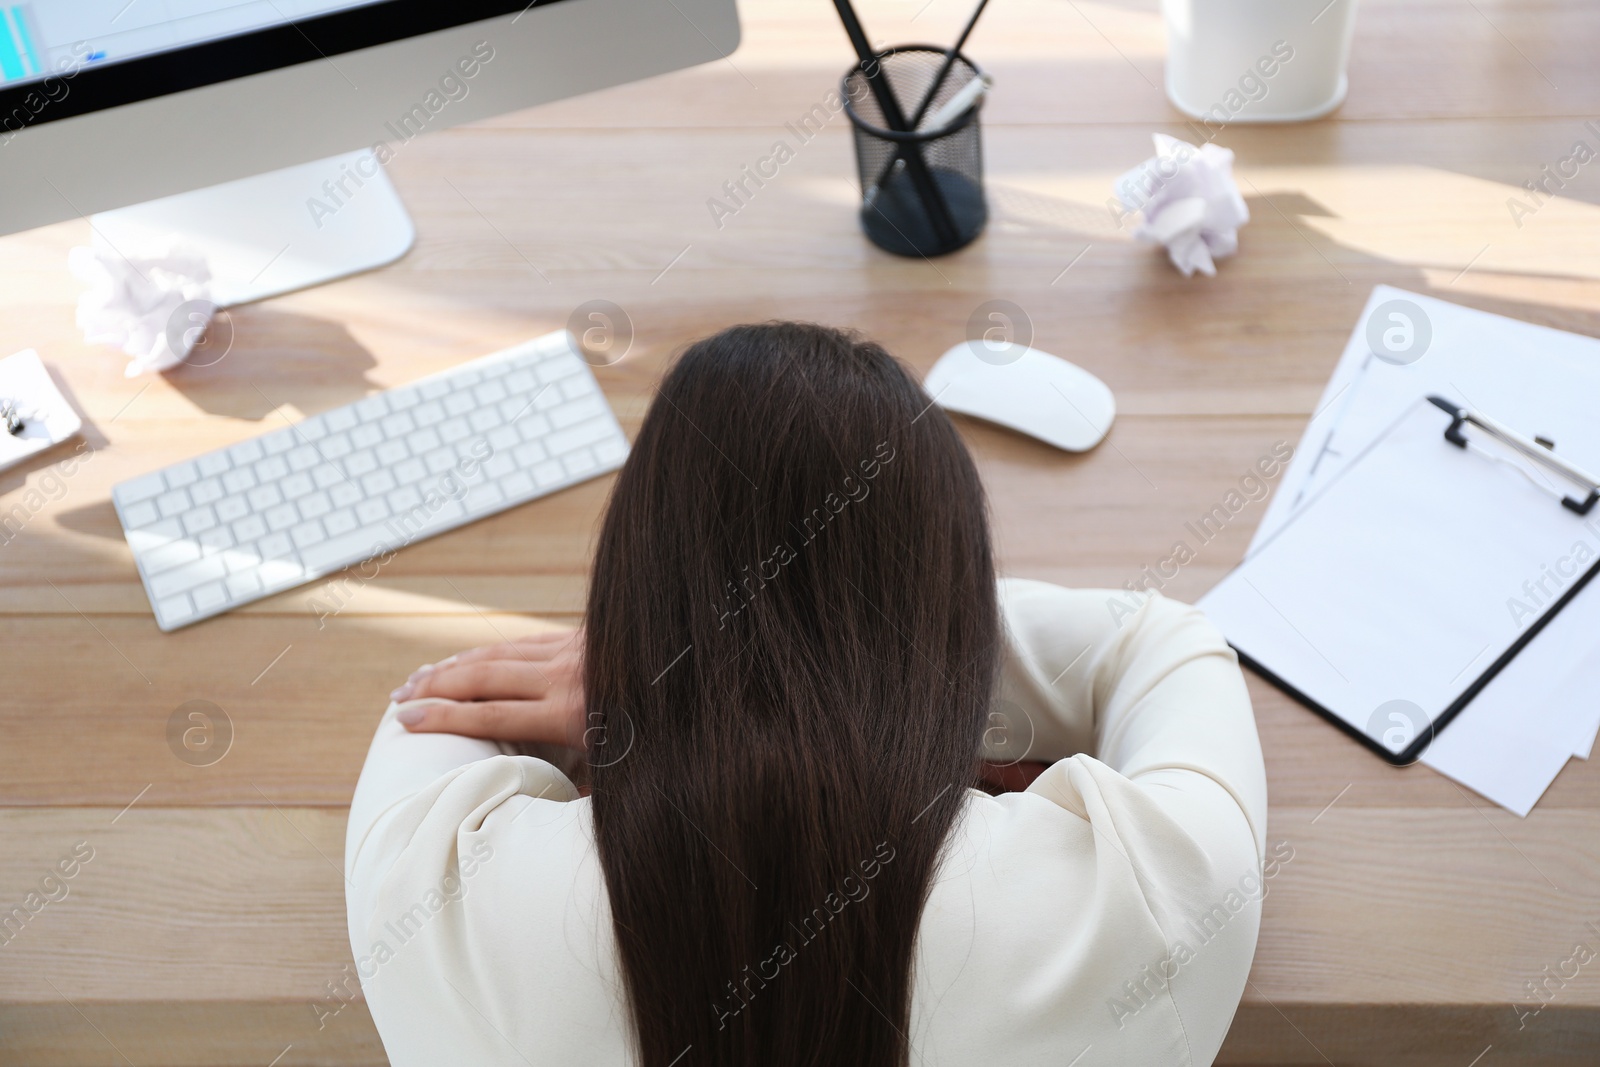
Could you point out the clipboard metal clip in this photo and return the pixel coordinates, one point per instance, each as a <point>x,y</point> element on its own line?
<point>1538,450</point>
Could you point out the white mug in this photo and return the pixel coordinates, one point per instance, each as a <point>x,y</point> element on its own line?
<point>1257,60</point>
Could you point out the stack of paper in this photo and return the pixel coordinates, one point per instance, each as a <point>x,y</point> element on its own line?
<point>1544,707</point>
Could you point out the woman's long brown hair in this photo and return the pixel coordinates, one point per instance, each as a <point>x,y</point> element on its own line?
<point>792,641</point>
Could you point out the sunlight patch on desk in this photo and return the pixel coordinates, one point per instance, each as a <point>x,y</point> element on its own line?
<point>1436,219</point>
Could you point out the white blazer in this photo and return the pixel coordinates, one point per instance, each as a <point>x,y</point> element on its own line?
<point>1107,915</point>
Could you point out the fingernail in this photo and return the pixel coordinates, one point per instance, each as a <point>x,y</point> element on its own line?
<point>411,714</point>
<point>422,671</point>
<point>401,693</point>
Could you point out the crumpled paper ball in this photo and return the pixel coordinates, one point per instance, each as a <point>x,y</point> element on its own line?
<point>1188,201</point>
<point>133,302</point>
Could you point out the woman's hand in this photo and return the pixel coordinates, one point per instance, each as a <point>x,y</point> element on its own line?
<point>526,690</point>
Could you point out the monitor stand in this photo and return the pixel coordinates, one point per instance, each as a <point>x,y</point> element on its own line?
<point>277,232</point>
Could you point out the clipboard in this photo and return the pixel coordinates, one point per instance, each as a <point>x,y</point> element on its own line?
<point>1398,592</point>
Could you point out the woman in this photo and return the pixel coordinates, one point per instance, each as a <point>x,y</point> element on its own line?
<point>794,656</point>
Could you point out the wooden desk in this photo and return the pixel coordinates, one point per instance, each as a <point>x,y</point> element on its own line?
<point>211,916</point>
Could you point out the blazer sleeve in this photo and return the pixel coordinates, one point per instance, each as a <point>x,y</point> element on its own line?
<point>1141,704</point>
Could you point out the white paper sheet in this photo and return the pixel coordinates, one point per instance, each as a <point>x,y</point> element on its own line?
<point>1404,579</point>
<point>1512,741</point>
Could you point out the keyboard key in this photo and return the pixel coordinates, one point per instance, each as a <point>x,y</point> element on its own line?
<point>434,388</point>
<point>559,367</point>
<point>532,427</point>
<point>271,469</point>
<point>248,529</point>
<point>275,546</point>
<point>529,454</point>
<point>424,440</point>
<point>141,488</point>
<point>379,481</point>
<point>170,555</point>
<point>490,392</point>
<point>242,584</point>
<point>199,520</point>
<point>303,458</point>
<point>453,430</point>
<point>242,558</point>
<point>152,537</point>
<point>611,451</point>
<point>340,419</point>
<point>576,388</point>
<point>366,435</point>
<point>174,502</point>
<point>326,476</point>
<point>313,429</point>
<point>336,446</point>
<point>459,403</point>
<point>372,512</point>
<point>485,419</point>
<point>140,514</point>
<point>516,485</point>
<point>503,437</point>
<point>281,517</point>
<point>391,452</point>
<point>344,494</point>
<point>585,434</point>
<point>216,539</point>
<point>372,408</point>
<point>428,413</point>
<point>401,399</point>
<point>521,381</point>
<point>363,462</point>
<point>296,485</point>
<point>421,522</point>
<point>307,534</point>
<point>181,475</point>
<point>398,425</point>
<point>280,573</point>
<point>174,609</point>
<point>263,497</point>
<point>579,462</point>
<point>440,461</point>
<point>209,596</point>
<point>206,491</point>
<point>315,505</point>
<point>548,398</point>
<point>339,522</point>
<point>232,508</point>
<point>513,408</point>
<point>182,579</point>
<point>246,452</point>
<point>409,471</point>
<point>239,479</point>
<point>499,465</point>
<point>337,552</point>
<point>548,473</point>
<point>481,497</point>
<point>578,411</point>
<point>275,444</point>
<point>404,499</point>
<point>213,463</point>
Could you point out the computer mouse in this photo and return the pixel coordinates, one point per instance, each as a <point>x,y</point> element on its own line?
<point>1025,390</point>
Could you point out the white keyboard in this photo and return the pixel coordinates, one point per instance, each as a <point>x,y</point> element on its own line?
<point>360,481</point>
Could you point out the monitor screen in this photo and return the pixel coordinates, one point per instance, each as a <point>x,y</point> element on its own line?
<point>60,58</point>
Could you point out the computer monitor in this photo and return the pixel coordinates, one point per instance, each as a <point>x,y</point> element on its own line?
<point>274,118</point>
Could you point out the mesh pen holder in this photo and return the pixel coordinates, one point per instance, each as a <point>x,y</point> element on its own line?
<point>921,191</point>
